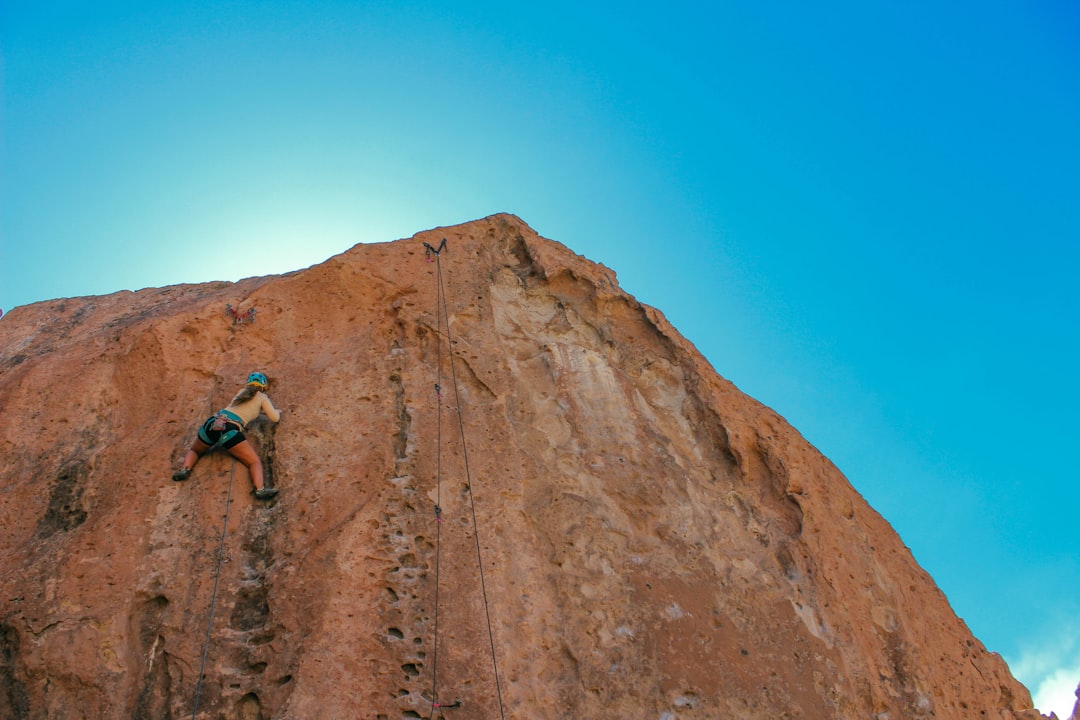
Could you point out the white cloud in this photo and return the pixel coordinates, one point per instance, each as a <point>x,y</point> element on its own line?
<point>1052,672</point>
<point>1057,692</point>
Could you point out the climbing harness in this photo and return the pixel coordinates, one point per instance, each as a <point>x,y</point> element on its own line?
<point>239,318</point>
<point>442,323</point>
<point>213,594</point>
<point>227,424</point>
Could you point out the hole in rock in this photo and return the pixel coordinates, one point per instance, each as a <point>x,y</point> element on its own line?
<point>251,609</point>
<point>249,708</point>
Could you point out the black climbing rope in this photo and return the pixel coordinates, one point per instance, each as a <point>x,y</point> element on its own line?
<point>442,323</point>
<point>438,475</point>
<point>213,594</point>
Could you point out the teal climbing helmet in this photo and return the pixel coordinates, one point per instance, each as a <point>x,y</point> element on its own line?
<point>258,380</point>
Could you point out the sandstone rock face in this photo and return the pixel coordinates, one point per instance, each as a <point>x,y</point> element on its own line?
<point>653,543</point>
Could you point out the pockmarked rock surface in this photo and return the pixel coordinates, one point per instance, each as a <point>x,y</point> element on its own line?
<point>653,543</point>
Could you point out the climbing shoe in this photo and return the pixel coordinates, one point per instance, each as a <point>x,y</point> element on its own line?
<point>182,474</point>
<point>265,494</point>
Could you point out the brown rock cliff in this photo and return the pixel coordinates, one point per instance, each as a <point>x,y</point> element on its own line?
<point>655,544</point>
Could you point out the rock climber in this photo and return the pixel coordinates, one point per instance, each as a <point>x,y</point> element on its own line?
<point>225,428</point>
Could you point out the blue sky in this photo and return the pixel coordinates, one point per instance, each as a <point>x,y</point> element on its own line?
<point>865,214</point>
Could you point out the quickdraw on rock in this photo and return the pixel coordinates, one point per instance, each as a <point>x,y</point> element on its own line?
<point>238,317</point>
<point>429,250</point>
<point>455,704</point>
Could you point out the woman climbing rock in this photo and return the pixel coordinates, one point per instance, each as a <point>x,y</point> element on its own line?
<point>225,428</point>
